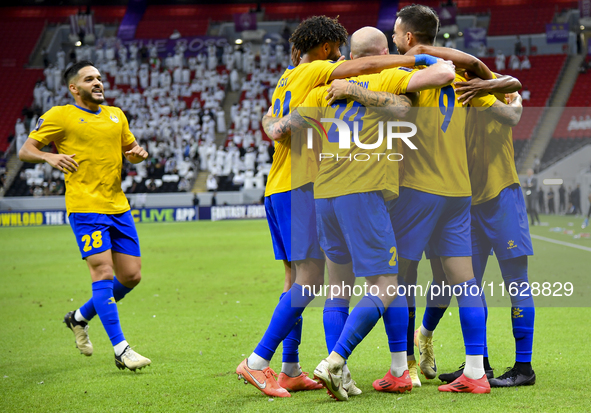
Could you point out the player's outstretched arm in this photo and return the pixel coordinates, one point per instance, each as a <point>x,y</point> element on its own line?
<point>280,128</point>
<point>135,153</point>
<point>395,105</point>
<point>460,59</point>
<point>440,74</point>
<point>510,113</point>
<point>31,152</point>
<point>375,64</point>
<point>479,87</point>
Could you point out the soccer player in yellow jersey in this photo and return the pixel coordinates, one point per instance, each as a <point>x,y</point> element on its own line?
<point>433,208</point>
<point>499,222</point>
<point>90,139</point>
<point>317,41</point>
<point>350,207</point>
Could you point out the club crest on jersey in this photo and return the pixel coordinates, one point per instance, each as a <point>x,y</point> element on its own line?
<point>39,123</point>
<point>114,118</point>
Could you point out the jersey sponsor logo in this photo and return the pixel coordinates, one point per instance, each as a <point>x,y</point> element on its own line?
<point>406,69</point>
<point>39,123</point>
<point>114,118</point>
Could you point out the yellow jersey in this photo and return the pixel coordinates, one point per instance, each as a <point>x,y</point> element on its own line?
<point>97,139</point>
<point>355,169</point>
<point>291,90</point>
<point>491,159</point>
<point>440,166</point>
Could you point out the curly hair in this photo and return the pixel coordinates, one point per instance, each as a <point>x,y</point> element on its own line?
<point>318,30</point>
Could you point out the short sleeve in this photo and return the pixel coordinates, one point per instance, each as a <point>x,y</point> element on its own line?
<point>396,80</point>
<point>483,102</point>
<point>127,137</point>
<point>313,100</point>
<point>321,70</point>
<point>50,127</point>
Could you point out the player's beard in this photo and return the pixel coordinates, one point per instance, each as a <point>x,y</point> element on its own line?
<point>87,96</point>
<point>334,57</point>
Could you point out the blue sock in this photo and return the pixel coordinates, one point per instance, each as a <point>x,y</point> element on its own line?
<point>436,306</point>
<point>104,302</point>
<point>479,265</point>
<point>290,308</point>
<point>471,317</point>
<point>412,315</point>
<point>396,323</point>
<point>363,318</point>
<point>334,317</point>
<point>292,342</point>
<point>523,313</point>
<point>485,307</point>
<point>119,291</point>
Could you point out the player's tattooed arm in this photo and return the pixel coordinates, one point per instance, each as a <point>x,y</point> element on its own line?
<point>507,114</point>
<point>280,128</point>
<point>276,128</point>
<point>478,87</point>
<point>460,59</point>
<point>395,105</point>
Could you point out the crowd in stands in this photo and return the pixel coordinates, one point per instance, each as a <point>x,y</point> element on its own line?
<point>174,106</point>
<point>514,62</point>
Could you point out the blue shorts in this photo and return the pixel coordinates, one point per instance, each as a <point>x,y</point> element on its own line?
<point>357,228</point>
<point>422,220</point>
<point>501,224</point>
<point>292,221</point>
<point>97,233</point>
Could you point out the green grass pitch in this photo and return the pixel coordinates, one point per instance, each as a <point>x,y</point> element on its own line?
<point>207,294</point>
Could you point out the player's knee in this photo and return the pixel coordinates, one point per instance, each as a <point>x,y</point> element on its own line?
<point>133,279</point>
<point>101,272</point>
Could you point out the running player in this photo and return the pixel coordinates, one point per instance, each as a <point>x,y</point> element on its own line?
<point>316,40</point>
<point>351,211</point>
<point>90,138</point>
<point>499,221</point>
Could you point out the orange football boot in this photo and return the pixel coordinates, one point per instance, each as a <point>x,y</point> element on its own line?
<point>299,383</point>
<point>391,384</point>
<point>465,385</point>
<point>263,380</point>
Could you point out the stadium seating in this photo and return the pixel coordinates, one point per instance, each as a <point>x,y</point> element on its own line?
<point>559,147</point>
<point>574,128</point>
<point>540,81</point>
<point>193,20</point>
<point>20,28</point>
<point>352,15</point>
<point>18,40</point>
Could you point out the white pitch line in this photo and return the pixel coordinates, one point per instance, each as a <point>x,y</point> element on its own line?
<point>567,244</point>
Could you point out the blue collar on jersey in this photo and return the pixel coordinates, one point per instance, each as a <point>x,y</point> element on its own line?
<point>290,67</point>
<point>90,111</point>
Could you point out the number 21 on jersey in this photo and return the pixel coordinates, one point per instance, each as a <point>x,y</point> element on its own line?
<point>278,111</point>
